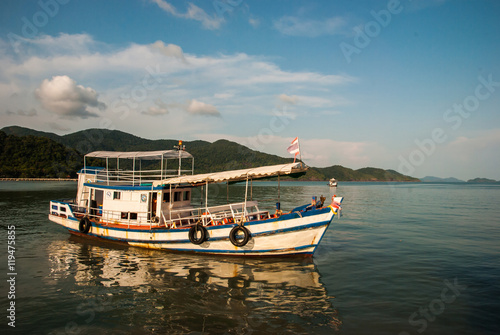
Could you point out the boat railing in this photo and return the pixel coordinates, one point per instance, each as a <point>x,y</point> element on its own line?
<point>134,178</point>
<point>182,217</point>
<point>63,208</point>
<point>214,215</point>
<point>68,208</point>
<point>128,218</point>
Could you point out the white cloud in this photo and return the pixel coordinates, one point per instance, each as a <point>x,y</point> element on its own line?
<point>223,96</point>
<point>191,107</point>
<point>288,99</point>
<point>267,73</point>
<point>62,96</point>
<point>314,102</point>
<point>45,45</point>
<point>320,102</point>
<point>465,153</point>
<point>196,107</point>
<point>130,64</point>
<point>354,155</point>
<point>254,22</point>
<point>132,79</point>
<point>476,144</point>
<point>463,157</point>
<point>160,108</point>
<point>294,26</point>
<point>21,112</point>
<point>171,50</point>
<point>193,13</point>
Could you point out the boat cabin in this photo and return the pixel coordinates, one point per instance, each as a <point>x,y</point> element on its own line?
<point>120,195</point>
<point>142,189</point>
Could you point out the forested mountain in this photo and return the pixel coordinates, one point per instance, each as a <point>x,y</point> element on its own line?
<point>483,181</point>
<point>36,157</point>
<point>365,174</point>
<point>29,153</point>
<point>432,179</point>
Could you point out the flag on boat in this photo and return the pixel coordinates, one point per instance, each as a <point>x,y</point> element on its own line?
<point>294,148</point>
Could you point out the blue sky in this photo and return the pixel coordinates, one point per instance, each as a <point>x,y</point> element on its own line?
<point>412,86</point>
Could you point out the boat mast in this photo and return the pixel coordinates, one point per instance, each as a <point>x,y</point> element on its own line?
<point>161,168</point>
<point>179,171</point>
<point>180,147</point>
<point>300,154</point>
<point>107,170</point>
<point>246,196</point>
<point>206,197</point>
<point>279,187</point>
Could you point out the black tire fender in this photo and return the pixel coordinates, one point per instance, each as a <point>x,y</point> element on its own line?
<point>85,225</point>
<point>233,236</point>
<point>193,234</point>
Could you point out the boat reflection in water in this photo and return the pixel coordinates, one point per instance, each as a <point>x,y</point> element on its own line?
<point>152,291</point>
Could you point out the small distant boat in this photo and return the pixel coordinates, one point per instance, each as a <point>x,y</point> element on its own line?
<point>153,208</point>
<point>332,182</point>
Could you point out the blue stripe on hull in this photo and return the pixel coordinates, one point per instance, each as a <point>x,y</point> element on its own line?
<point>259,253</point>
<point>269,232</point>
<point>267,251</point>
<point>284,217</point>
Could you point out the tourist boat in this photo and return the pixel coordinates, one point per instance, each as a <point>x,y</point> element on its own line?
<point>332,182</point>
<point>138,199</point>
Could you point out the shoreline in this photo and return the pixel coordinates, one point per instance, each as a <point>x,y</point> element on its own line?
<point>300,181</point>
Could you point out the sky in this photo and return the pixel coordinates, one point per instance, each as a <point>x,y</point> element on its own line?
<point>410,85</point>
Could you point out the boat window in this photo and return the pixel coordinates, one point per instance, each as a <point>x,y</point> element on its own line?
<point>166,197</point>
<point>116,195</point>
<point>124,215</point>
<point>177,196</point>
<point>133,216</point>
<point>187,195</point>
<point>63,209</point>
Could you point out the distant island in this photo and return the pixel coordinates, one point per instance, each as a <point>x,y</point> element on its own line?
<point>28,153</point>
<point>483,181</point>
<point>430,179</point>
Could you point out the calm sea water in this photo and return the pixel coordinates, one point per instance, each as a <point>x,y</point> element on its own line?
<point>403,259</point>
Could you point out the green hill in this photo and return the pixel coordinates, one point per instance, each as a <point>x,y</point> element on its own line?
<point>365,174</point>
<point>21,131</point>
<point>482,181</point>
<point>36,157</point>
<point>47,149</point>
<point>431,179</point>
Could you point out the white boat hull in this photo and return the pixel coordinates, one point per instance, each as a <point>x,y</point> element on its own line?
<point>291,234</point>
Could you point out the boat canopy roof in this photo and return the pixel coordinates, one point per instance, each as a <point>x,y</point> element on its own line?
<point>235,175</point>
<point>145,155</point>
